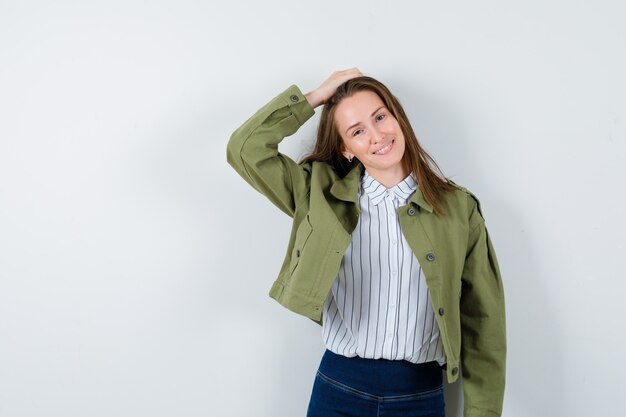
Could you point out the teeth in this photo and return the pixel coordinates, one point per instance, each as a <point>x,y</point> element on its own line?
<point>383,149</point>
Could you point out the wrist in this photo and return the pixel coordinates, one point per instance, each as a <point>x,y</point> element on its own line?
<point>313,98</point>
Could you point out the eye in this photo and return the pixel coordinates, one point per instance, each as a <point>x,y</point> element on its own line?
<point>380,117</point>
<point>355,132</point>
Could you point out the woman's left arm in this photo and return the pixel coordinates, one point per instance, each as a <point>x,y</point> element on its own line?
<point>483,330</point>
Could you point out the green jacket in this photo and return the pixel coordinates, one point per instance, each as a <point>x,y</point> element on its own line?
<point>455,252</point>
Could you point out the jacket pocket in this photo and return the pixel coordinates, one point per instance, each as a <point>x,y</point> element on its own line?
<point>302,236</point>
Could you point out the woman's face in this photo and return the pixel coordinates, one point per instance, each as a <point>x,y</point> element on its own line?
<point>370,132</point>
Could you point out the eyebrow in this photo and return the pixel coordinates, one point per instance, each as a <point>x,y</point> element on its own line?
<point>373,113</point>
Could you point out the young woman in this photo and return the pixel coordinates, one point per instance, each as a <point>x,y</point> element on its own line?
<point>393,261</point>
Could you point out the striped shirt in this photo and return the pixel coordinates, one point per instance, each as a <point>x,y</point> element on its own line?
<point>379,305</point>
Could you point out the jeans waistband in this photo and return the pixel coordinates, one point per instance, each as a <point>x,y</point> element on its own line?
<point>382,376</point>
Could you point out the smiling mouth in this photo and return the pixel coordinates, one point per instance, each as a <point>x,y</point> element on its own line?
<point>386,149</point>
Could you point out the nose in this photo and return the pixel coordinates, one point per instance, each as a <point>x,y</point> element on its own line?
<point>377,135</point>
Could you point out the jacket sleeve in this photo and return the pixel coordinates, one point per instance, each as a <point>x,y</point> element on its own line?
<point>253,150</point>
<point>483,331</point>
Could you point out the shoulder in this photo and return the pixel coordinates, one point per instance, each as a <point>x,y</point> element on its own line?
<point>472,202</point>
<point>323,169</point>
<point>465,192</point>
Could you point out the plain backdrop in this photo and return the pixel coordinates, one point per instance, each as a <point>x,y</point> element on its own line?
<point>135,264</point>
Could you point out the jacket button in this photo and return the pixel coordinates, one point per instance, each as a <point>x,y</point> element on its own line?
<point>455,370</point>
<point>441,311</point>
<point>411,211</point>
<point>430,256</point>
<point>297,253</point>
<point>294,98</point>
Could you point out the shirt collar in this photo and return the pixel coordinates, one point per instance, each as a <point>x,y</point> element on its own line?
<point>376,191</point>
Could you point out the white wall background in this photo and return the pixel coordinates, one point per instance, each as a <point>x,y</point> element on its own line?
<point>135,263</point>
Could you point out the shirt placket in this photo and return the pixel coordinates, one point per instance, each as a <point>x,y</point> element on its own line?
<point>390,203</point>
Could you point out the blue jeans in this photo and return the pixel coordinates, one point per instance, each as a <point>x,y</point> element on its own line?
<point>363,387</point>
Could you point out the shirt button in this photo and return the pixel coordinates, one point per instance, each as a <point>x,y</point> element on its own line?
<point>411,211</point>
<point>297,253</point>
<point>393,272</point>
<point>455,371</point>
<point>441,311</point>
<point>430,256</point>
<point>294,98</point>
<point>392,305</point>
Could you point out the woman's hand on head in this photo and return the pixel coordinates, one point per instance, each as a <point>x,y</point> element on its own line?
<point>325,91</point>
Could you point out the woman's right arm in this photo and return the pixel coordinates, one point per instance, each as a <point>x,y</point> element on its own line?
<point>253,148</point>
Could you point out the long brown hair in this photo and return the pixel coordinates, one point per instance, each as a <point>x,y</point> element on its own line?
<point>329,145</point>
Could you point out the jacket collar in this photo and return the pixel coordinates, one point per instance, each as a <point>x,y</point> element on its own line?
<point>346,189</point>
<point>376,191</point>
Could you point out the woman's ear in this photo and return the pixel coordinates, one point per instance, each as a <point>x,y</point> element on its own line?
<point>345,153</point>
